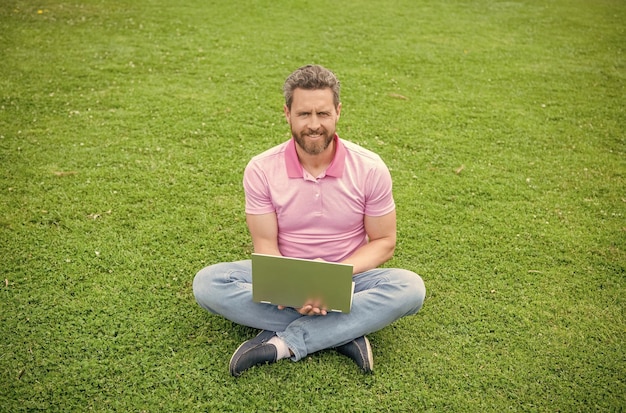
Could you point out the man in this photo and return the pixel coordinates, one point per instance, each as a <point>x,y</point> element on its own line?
<point>316,197</point>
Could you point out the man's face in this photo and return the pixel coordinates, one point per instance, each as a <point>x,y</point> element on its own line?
<point>313,118</point>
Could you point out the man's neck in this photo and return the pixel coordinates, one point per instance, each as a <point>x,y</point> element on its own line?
<point>316,164</point>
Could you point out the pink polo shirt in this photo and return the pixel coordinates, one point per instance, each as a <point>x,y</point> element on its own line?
<point>319,217</point>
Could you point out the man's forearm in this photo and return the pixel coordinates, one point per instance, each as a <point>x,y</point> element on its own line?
<point>371,255</point>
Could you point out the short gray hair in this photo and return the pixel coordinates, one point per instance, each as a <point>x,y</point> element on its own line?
<point>311,77</point>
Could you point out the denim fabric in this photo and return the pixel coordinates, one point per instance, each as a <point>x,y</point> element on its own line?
<point>381,296</point>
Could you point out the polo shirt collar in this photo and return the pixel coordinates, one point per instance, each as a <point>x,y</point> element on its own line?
<point>335,169</point>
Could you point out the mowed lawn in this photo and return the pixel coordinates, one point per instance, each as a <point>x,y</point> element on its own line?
<point>124,130</point>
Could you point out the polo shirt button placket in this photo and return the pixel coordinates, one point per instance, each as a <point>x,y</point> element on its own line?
<point>318,197</point>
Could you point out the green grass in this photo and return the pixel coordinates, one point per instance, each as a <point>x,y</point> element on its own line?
<point>124,130</point>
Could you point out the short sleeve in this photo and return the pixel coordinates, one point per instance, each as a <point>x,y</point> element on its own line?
<point>256,188</point>
<point>379,195</point>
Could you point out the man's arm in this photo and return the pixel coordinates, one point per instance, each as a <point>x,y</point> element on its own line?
<point>381,232</point>
<point>264,233</point>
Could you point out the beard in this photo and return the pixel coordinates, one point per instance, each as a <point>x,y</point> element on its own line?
<point>313,147</point>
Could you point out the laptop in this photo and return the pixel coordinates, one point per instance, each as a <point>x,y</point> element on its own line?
<point>294,282</point>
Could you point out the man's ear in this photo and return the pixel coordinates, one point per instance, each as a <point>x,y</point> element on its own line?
<point>286,111</point>
<point>338,110</point>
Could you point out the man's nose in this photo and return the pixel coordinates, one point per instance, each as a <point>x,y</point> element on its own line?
<point>314,122</point>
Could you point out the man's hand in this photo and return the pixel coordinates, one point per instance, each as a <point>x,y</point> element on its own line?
<point>307,309</point>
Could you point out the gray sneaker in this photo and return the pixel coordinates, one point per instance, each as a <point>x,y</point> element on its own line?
<point>253,352</point>
<point>360,351</point>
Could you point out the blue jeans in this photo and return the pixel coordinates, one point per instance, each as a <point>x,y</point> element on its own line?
<point>381,296</point>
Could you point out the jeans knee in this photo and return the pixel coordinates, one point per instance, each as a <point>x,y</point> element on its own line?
<point>206,286</point>
<point>201,287</point>
<point>213,285</point>
<point>415,289</point>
